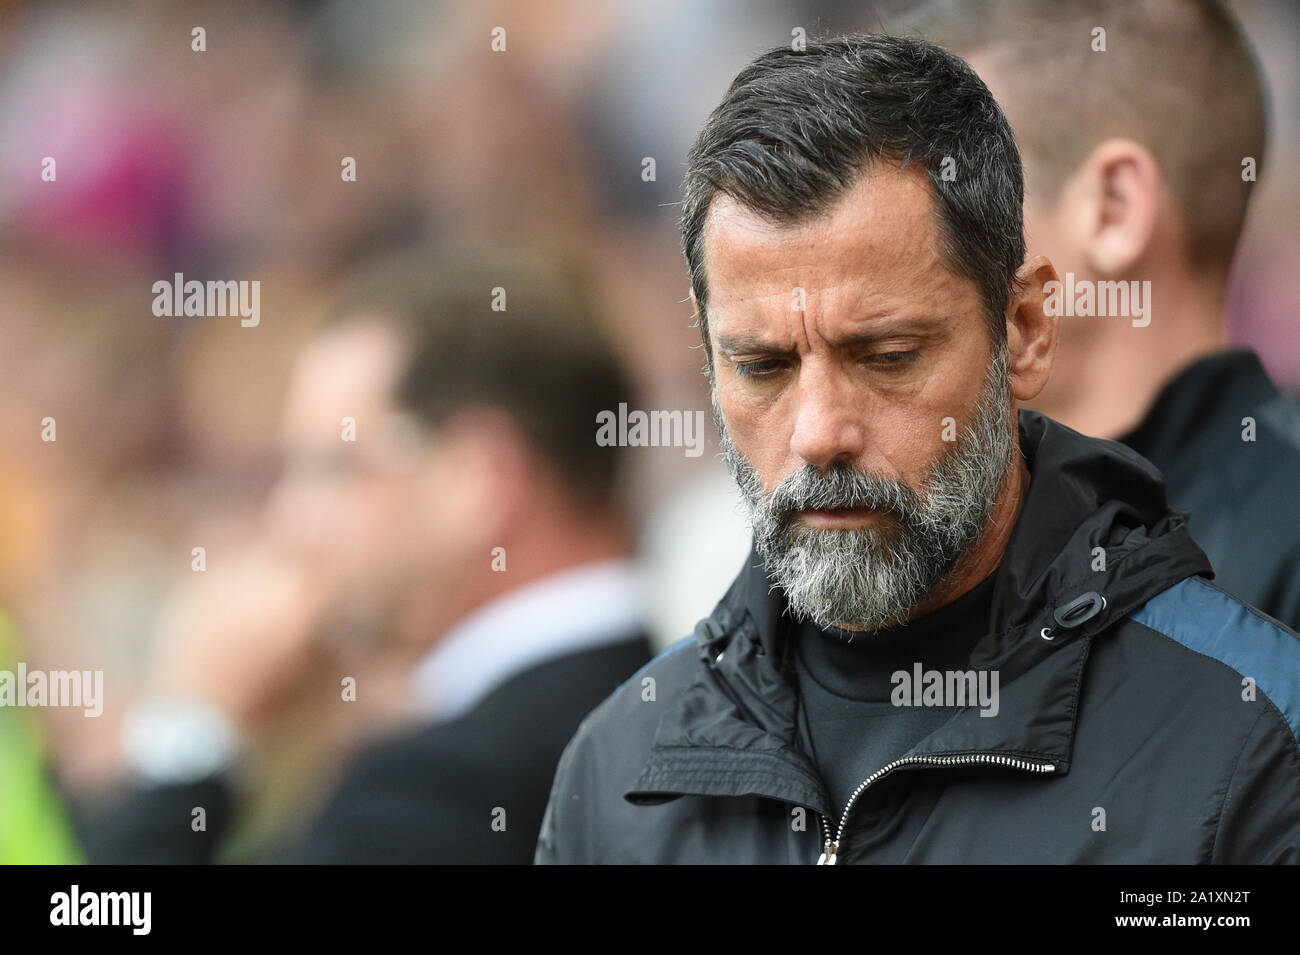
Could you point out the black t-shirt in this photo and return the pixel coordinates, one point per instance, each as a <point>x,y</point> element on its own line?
<point>847,721</point>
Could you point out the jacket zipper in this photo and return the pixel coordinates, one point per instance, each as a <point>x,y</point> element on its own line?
<point>831,847</point>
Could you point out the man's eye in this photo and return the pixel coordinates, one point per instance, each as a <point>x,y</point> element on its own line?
<point>757,369</point>
<point>893,359</point>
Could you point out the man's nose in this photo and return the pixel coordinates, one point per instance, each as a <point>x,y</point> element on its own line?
<point>828,423</point>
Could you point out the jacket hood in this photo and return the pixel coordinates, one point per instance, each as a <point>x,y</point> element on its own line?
<point>1095,539</point>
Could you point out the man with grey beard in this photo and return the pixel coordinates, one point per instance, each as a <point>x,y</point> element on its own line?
<point>854,589</point>
<point>963,628</point>
<point>872,576</point>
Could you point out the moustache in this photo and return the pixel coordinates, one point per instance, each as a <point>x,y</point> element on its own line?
<point>841,487</point>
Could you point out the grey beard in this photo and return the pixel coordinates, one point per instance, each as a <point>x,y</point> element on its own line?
<point>870,578</point>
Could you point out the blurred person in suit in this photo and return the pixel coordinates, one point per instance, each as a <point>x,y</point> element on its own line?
<point>443,490</point>
<point>1143,129</point>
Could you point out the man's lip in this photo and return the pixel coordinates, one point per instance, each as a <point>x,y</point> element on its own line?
<point>839,518</point>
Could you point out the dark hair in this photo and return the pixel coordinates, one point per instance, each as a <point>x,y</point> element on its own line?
<point>545,360</point>
<point>797,128</point>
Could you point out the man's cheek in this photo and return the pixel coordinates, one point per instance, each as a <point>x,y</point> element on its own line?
<point>751,428</point>
<point>900,448</point>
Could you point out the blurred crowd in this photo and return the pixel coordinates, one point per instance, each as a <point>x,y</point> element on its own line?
<point>224,155</point>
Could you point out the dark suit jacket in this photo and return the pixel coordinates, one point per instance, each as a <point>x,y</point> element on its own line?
<point>426,795</point>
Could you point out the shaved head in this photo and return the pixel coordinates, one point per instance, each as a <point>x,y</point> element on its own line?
<point>1177,76</point>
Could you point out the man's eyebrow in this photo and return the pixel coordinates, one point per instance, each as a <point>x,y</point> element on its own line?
<point>925,327</point>
<point>748,344</point>
<point>755,345</point>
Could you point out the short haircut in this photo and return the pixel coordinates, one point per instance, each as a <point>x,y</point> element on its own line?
<point>545,360</point>
<point>796,129</point>
<point>1178,76</point>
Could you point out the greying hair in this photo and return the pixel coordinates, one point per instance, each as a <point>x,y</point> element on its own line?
<point>796,129</point>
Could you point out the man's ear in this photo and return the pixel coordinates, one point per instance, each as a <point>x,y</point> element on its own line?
<point>1032,328</point>
<point>1115,197</point>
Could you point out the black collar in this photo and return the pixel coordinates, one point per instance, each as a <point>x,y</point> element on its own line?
<point>1200,410</point>
<point>733,731</point>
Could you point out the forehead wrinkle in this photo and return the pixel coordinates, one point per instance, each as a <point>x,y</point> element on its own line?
<point>879,240</point>
<point>804,326</point>
<point>861,319</point>
<point>866,270</point>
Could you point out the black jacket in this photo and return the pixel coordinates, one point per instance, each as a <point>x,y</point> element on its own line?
<point>1125,731</point>
<point>426,795</point>
<point>1241,494</point>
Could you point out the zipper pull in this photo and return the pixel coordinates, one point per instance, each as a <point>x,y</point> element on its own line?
<point>828,854</point>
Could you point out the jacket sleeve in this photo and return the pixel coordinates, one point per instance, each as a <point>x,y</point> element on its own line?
<point>566,836</point>
<point>157,824</point>
<point>1260,819</point>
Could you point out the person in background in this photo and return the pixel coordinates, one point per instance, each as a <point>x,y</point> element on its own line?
<point>1143,130</point>
<point>443,492</point>
<point>34,825</point>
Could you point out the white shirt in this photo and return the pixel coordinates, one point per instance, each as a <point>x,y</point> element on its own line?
<point>590,606</point>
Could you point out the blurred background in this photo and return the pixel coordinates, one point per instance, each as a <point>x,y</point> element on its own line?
<point>225,163</point>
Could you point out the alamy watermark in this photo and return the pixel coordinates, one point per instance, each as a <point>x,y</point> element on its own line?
<point>62,688</point>
<point>920,687</point>
<point>1085,298</point>
<point>651,429</point>
<point>180,298</point>
<point>75,907</point>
